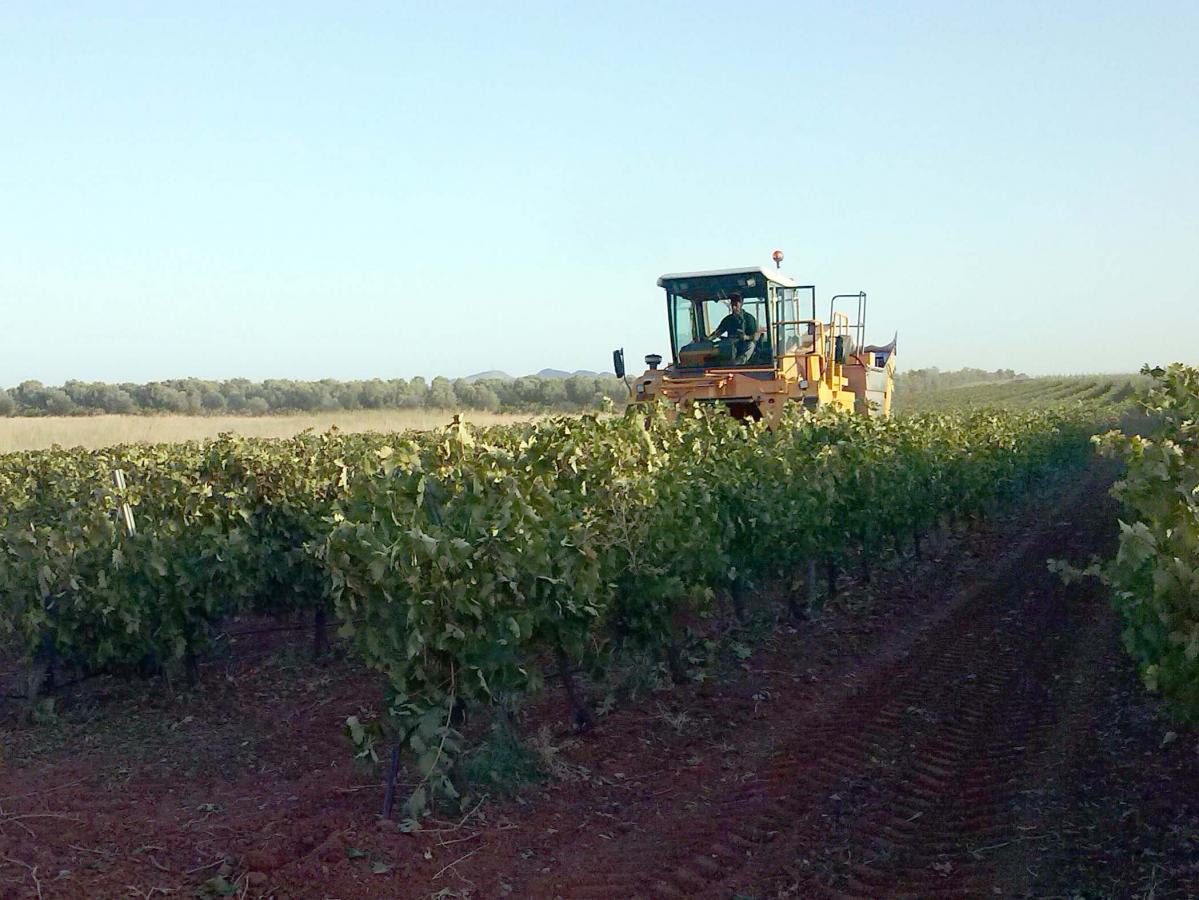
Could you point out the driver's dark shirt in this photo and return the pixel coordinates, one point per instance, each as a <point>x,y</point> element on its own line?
<point>740,325</point>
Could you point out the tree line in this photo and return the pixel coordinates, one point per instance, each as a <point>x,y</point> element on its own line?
<point>240,396</point>
<point>917,381</point>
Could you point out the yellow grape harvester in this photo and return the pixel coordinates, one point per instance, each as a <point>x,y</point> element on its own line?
<point>793,357</point>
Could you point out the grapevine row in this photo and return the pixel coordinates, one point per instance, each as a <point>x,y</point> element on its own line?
<point>1155,574</point>
<point>466,563</point>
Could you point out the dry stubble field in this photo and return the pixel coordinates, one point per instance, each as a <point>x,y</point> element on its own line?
<point>39,432</point>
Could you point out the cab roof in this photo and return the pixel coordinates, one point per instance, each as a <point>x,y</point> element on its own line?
<point>774,277</point>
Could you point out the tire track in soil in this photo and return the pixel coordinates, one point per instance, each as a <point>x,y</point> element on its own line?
<point>1068,738</point>
<point>906,786</point>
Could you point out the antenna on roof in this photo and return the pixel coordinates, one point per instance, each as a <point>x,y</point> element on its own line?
<point>777,256</point>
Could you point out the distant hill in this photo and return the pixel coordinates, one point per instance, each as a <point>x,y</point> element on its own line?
<point>495,374</point>
<point>559,373</point>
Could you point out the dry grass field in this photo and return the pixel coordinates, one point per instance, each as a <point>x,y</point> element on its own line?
<point>33,433</point>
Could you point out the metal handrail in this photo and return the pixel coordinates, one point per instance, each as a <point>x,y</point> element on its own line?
<point>860,326</point>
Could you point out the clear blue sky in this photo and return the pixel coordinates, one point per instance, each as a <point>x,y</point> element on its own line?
<point>355,190</point>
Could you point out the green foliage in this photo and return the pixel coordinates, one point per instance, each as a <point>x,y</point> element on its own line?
<point>464,561</point>
<point>469,560</point>
<point>1155,573</point>
<point>222,526</point>
<point>501,764</point>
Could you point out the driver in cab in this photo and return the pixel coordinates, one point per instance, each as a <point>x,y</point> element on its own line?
<point>741,327</point>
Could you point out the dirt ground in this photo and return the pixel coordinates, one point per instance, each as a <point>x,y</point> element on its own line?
<point>971,728</point>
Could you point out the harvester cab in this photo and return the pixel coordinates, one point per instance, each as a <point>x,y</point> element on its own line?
<point>750,340</point>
